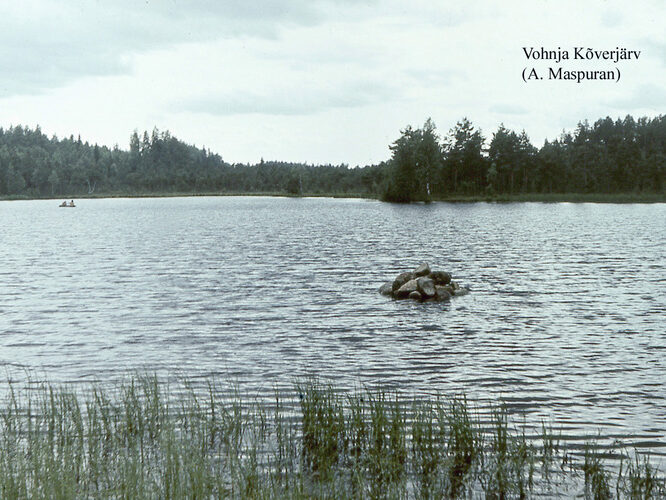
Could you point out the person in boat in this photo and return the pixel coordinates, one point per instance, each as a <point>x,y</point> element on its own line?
<point>71,203</point>
<point>63,204</point>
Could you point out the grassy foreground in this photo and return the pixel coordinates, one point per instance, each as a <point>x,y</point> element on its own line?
<point>144,440</point>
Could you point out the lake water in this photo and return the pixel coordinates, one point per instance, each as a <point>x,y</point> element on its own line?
<point>566,321</point>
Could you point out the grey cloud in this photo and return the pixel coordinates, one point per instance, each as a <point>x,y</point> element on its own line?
<point>292,101</point>
<point>30,70</point>
<point>434,76</point>
<point>655,48</point>
<point>611,18</point>
<point>456,14</point>
<point>648,96</point>
<point>508,109</point>
<point>53,46</point>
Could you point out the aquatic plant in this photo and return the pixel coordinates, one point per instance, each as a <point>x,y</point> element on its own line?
<point>147,439</point>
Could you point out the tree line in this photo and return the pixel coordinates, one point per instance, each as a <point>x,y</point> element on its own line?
<point>34,165</point>
<point>621,156</point>
<point>625,155</point>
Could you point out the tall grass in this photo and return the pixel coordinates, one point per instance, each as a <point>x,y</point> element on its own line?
<point>145,439</point>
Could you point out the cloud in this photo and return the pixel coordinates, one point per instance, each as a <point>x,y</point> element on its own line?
<point>434,76</point>
<point>299,100</point>
<point>48,45</point>
<point>611,19</point>
<point>656,49</point>
<point>647,96</point>
<point>508,109</point>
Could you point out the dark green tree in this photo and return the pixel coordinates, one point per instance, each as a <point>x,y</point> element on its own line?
<point>465,166</point>
<point>415,164</point>
<point>402,184</point>
<point>15,181</point>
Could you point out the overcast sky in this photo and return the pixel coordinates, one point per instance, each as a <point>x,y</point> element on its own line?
<point>318,81</point>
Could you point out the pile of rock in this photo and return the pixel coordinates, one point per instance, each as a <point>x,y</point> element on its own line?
<point>423,285</point>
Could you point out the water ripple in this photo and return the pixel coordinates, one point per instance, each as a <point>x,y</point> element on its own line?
<point>565,321</point>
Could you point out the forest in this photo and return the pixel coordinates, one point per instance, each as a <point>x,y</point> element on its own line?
<point>610,156</point>
<point>620,156</point>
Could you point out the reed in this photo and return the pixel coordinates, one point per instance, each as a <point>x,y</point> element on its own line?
<point>145,439</point>
<point>597,478</point>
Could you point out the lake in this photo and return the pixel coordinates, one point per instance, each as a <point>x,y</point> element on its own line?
<point>566,320</point>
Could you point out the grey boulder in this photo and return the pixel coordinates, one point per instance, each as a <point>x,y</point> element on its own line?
<point>401,279</point>
<point>423,285</point>
<point>440,277</point>
<point>442,293</point>
<point>426,286</point>
<point>422,270</point>
<point>406,289</point>
<point>386,288</point>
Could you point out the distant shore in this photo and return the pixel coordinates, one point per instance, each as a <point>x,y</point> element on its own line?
<point>564,197</point>
<point>454,198</point>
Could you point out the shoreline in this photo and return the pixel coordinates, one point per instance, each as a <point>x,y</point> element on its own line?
<point>500,198</point>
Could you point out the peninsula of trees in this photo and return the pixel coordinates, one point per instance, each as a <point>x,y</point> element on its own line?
<point>608,157</point>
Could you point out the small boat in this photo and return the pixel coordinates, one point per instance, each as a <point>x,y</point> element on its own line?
<point>69,205</point>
